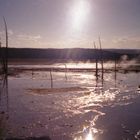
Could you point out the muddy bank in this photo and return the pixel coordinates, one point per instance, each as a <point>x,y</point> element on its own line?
<point>44,91</point>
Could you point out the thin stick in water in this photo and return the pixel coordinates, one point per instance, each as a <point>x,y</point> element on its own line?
<point>51,78</point>
<point>102,62</point>
<point>96,61</point>
<point>6,50</point>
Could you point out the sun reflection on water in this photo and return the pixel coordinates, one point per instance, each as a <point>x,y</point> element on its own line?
<point>87,65</point>
<point>87,134</point>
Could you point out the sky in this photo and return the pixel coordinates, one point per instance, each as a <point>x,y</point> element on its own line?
<point>71,23</point>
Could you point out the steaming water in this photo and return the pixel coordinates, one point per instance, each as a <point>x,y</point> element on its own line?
<point>77,65</point>
<point>103,110</point>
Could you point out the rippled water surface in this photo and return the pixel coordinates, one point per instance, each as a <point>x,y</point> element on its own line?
<point>77,107</point>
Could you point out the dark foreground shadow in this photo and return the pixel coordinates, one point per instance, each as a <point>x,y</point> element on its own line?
<point>30,138</point>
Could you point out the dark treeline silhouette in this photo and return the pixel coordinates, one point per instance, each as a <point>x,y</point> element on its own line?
<point>70,54</point>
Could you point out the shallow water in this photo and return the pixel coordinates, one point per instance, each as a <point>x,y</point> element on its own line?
<point>104,110</point>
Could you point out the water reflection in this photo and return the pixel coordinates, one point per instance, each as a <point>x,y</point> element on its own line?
<point>4,104</point>
<point>87,134</point>
<point>4,101</point>
<point>79,107</point>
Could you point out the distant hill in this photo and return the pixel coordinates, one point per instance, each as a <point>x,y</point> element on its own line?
<point>71,54</point>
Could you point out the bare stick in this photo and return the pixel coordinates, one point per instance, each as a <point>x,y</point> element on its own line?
<point>96,61</point>
<point>66,72</point>
<point>102,62</point>
<point>115,70</point>
<point>6,51</point>
<point>51,78</point>
<point>0,52</point>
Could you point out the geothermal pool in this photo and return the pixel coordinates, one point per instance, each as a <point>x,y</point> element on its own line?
<point>70,105</point>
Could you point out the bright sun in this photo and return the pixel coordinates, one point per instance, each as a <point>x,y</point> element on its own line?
<point>79,13</point>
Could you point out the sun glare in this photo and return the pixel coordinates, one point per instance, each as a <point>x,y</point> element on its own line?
<point>86,135</point>
<point>79,13</point>
<point>89,136</point>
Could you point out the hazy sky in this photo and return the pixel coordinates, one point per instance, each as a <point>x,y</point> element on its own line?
<point>71,23</point>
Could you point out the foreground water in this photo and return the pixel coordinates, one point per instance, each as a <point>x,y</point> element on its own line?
<point>77,107</point>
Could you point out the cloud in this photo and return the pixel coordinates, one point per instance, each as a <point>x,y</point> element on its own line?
<point>24,41</point>
<point>128,41</point>
<point>26,37</point>
<point>37,41</point>
<point>10,32</point>
<point>125,42</point>
<point>3,38</point>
